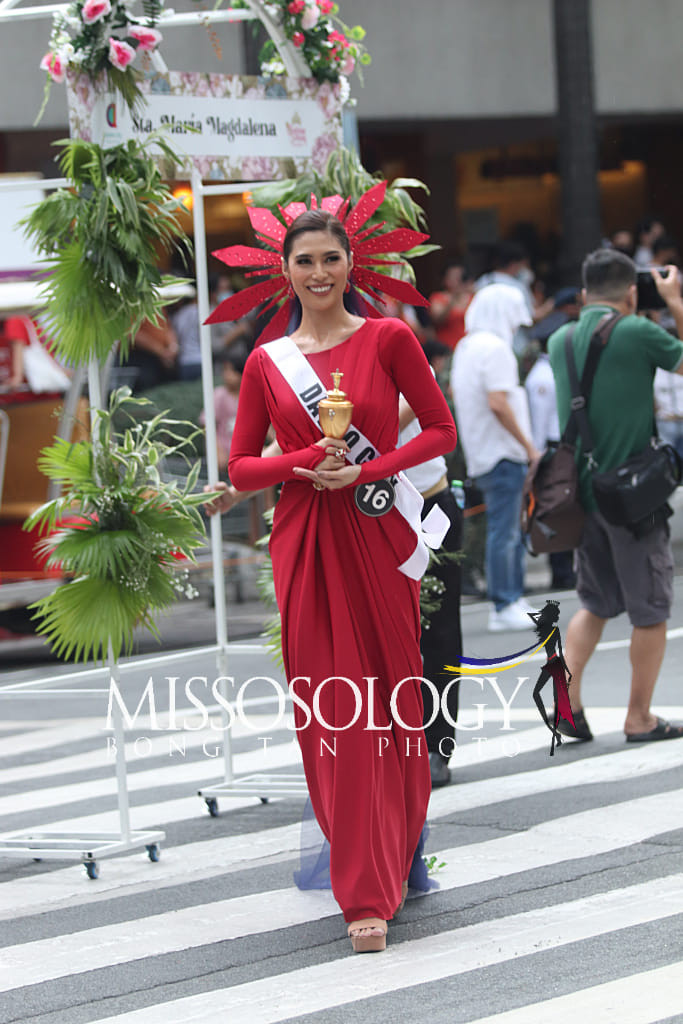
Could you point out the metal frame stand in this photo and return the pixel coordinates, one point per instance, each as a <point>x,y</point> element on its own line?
<point>263,785</point>
<point>90,847</point>
<point>266,784</point>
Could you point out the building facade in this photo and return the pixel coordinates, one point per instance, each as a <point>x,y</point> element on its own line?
<point>460,93</point>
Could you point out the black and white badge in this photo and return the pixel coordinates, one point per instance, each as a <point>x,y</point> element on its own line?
<point>376,498</point>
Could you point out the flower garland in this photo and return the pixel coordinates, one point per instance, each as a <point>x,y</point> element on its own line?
<point>331,49</point>
<point>103,37</point>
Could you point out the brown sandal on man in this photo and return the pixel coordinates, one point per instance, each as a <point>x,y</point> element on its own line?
<point>662,731</point>
<point>368,935</point>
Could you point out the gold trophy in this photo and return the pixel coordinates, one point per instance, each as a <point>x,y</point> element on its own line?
<point>334,413</point>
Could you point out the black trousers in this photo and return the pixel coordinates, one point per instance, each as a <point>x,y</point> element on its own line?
<point>441,643</point>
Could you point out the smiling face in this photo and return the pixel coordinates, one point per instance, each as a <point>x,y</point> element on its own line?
<point>318,269</point>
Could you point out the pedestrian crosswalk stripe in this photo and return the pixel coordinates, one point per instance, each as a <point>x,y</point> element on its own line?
<point>645,998</point>
<point>593,833</point>
<point>214,857</point>
<point>447,954</point>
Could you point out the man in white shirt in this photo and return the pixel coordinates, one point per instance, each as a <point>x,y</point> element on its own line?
<point>493,423</point>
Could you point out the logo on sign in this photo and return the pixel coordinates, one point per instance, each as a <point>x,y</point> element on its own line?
<point>111,115</point>
<point>296,131</point>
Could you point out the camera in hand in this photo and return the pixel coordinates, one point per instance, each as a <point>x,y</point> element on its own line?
<point>648,296</point>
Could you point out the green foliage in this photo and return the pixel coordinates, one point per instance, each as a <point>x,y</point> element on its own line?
<point>431,587</point>
<point>120,531</point>
<point>345,175</point>
<point>272,631</point>
<point>432,865</point>
<point>101,241</point>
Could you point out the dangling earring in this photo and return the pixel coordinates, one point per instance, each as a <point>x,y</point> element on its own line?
<point>290,290</point>
<point>347,287</point>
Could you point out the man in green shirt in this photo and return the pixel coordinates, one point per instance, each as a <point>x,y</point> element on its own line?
<point>617,571</point>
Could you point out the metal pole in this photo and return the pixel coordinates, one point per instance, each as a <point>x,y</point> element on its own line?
<point>216,534</point>
<point>120,755</point>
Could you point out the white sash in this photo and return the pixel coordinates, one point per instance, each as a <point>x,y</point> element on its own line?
<point>308,388</point>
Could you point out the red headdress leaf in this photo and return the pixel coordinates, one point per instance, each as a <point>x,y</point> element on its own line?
<point>394,241</point>
<point>294,210</point>
<point>266,223</point>
<point>247,256</point>
<point>401,290</point>
<point>368,204</point>
<point>243,302</point>
<point>366,243</point>
<point>332,204</point>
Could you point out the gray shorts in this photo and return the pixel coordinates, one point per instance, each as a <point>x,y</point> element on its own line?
<point>617,573</point>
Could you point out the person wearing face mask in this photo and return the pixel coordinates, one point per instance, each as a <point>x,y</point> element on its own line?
<point>493,423</point>
<point>512,267</point>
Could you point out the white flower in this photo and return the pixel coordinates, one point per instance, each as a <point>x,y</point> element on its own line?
<point>309,18</point>
<point>344,89</point>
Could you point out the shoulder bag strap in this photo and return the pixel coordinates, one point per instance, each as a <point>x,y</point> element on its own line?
<point>578,423</point>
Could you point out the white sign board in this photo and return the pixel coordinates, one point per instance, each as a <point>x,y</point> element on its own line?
<point>229,126</point>
<point>16,253</point>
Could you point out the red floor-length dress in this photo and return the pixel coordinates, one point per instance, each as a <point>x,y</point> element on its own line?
<point>347,610</point>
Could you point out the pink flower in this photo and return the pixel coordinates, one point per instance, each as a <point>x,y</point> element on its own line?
<point>148,38</point>
<point>338,37</point>
<point>95,10</point>
<point>323,147</point>
<point>310,17</point>
<point>296,6</point>
<point>258,168</point>
<point>325,6</point>
<point>348,65</point>
<point>298,38</point>
<point>54,65</point>
<point>120,54</point>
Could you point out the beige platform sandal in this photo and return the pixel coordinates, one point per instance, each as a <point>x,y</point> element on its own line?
<point>368,935</point>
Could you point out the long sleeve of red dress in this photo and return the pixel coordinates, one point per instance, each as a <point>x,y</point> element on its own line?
<point>402,359</point>
<point>248,470</point>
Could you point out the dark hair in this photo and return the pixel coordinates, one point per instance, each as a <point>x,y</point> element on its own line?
<point>509,252</point>
<point>646,224</point>
<point>315,220</point>
<point>433,348</point>
<point>608,274</point>
<point>235,354</point>
<point>664,242</point>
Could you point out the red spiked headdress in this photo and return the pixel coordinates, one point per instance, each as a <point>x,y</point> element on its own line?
<point>366,245</point>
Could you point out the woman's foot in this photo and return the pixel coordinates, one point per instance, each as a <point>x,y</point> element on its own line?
<point>368,935</point>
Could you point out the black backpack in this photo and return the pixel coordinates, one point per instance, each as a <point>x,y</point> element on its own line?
<point>552,513</point>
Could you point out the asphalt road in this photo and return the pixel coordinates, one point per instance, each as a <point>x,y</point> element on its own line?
<point>560,893</point>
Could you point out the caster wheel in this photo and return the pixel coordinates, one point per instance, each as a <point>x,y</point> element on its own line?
<point>154,852</point>
<point>263,799</point>
<point>37,860</point>
<point>212,806</point>
<point>92,869</point>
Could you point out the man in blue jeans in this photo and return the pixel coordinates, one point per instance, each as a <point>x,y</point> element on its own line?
<point>493,423</point>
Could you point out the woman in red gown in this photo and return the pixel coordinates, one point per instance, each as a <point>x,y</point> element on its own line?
<point>347,610</point>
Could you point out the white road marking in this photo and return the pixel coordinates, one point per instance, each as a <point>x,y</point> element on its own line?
<point>420,961</point>
<point>592,832</point>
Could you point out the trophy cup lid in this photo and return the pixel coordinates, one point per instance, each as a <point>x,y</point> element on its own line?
<point>334,394</point>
